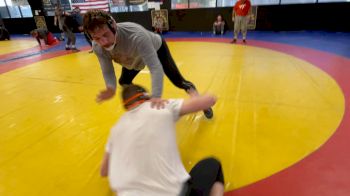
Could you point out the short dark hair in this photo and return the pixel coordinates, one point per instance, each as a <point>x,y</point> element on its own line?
<point>96,19</point>
<point>133,93</point>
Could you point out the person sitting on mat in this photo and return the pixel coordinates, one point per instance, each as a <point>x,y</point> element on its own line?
<point>219,25</point>
<point>142,157</point>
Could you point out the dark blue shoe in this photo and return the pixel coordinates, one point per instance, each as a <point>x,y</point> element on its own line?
<point>208,113</point>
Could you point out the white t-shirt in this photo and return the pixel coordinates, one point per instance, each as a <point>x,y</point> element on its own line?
<point>144,157</point>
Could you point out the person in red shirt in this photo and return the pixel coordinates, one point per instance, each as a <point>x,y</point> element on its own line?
<point>240,14</point>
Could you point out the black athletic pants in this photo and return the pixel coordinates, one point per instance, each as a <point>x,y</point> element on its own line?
<point>169,67</point>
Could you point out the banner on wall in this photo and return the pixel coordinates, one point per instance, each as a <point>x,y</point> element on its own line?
<point>40,22</point>
<point>19,2</point>
<point>160,19</point>
<point>85,5</point>
<point>49,5</point>
<point>135,2</point>
<point>154,4</point>
<point>118,2</point>
<point>252,18</point>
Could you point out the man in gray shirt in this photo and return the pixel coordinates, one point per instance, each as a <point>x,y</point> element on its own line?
<point>133,47</point>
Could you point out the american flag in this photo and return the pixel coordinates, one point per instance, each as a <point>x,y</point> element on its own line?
<point>86,5</point>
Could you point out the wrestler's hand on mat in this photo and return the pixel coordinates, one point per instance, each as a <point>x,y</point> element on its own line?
<point>105,95</point>
<point>158,103</point>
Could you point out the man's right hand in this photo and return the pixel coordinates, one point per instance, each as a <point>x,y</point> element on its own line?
<point>158,103</point>
<point>105,95</point>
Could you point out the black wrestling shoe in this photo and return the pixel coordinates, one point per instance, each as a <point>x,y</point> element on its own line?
<point>208,113</point>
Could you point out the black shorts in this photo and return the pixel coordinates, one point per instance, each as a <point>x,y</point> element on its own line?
<point>203,176</point>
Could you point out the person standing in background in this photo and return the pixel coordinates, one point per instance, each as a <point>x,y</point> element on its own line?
<point>70,25</point>
<point>59,19</point>
<point>240,14</point>
<point>78,18</point>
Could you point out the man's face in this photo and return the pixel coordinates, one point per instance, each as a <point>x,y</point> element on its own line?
<point>103,36</point>
<point>219,18</point>
<point>76,10</point>
<point>34,34</point>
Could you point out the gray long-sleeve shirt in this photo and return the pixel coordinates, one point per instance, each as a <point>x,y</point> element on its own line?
<point>135,48</point>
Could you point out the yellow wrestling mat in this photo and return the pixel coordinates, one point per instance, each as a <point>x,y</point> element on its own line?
<point>14,45</point>
<point>272,111</point>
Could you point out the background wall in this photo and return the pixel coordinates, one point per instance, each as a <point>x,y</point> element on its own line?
<point>329,17</point>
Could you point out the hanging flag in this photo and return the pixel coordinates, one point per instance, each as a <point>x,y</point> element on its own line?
<point>85,5</point>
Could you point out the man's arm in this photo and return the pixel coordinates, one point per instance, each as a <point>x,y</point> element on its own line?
<point>197,103</point>
<point>38,40</point>
<point>250,10</point>
<point>149,56</point>
<point>109,77</point>
<point>233,14</point>
<point>55,19</point>
<point>106,65</point>
<point>45,37</point>
<point>222,27</point>
<point>104,165</point>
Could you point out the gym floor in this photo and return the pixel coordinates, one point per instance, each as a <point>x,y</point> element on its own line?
<point>281,124</point>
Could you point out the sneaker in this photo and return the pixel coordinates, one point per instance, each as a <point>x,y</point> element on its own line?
<point>192,91</point>
<point>67,48</point>
<point>75,49</point>
<point>244,41</point>
<point>233,41</point>
<point>208,113</point>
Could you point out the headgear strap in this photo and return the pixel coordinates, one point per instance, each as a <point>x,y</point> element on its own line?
<point>135,100</point>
